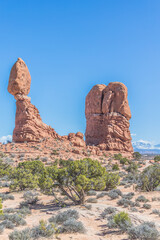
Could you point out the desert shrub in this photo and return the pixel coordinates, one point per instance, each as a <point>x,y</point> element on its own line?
<point>128,196</point>
<point>43,230</point>
<point>100,195</point>
<point>157,188</point>
<point>126,203</point>
<point>149,179</point>
<point>92,200</point>
<point>7,224</point>
<point>145,231</point>
<point>9,210</point>
<point>35,167</point>
<point>156,211</point>
<point>91,193</point>
<point>133,167</point>
<point>14,218</point>
<point>133,209</point>
<point>2,227</point>
<point>112,180</point>
<point>118,156</point>
<point>1,211</point>
<point>31,197</point>
<point>20,235</point>
<point>120,220</point>
<point>76,178</point>
<point>64,216</point>
<point>130,178</point>
<point>23,179</point>
<point>137,155</point>
<point>24,211</point>
<point>146,206</point>
<point>113,195</point>
<point>124,161</point>
<point>157,158</point>
<point>5,168</point>
<point>115,167</point>
<point>27,174</point>
<point>72,226</point>
<point>107,211</point>
<point>141,198</point>
<point>88,206</point>
<point>6,196</point>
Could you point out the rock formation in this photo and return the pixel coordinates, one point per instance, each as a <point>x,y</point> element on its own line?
<point>77,139</point>
<point>28,124</point>
<point>107,116</point>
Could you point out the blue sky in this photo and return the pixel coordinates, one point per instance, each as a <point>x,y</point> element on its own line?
<point>69,46</point>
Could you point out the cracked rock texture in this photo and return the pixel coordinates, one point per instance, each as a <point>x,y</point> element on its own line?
<point>107,117</point>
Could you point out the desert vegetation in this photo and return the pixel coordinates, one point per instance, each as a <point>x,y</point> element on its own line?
<point>120,192</point>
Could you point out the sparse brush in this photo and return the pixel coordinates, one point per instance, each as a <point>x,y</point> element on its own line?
<point>146,206</point>
<point>141,198</point>
<point>145,231</point>
<point>91,193</point>
<point>72,226</point>
<point>6,196</point>
<point>100,195</point>
<point>64,216</point>
<point>107,211</point>
<point>92,200</point>
<point>31,197</point>
<point>128,196</point>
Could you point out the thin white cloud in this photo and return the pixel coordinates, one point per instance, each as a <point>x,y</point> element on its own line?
<point>143,144</point>
<point>133,134</point>
<point>6,139</point>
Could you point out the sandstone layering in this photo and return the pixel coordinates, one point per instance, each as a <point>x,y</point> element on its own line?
<point>107,115</point>
<point>28,124</point>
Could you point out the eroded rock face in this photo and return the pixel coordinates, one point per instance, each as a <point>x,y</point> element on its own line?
<point>107,115</point>
<point>28,123</point>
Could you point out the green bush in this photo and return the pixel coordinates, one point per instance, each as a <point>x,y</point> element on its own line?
<point>1,211</point>
<point>137,155</point>
<point>5,168</point>
<point>115,167</point>
<point>132,168</point>
<point>157,158</point>
<point>78,177</point>
<point>122,220</point>
<point>124,161</point>
<point>118,156</point>
<point>23,179</point>
<point>112,180</point>
<point>149,179</point>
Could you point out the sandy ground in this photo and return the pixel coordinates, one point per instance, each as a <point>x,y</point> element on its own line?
<point>95,225</point>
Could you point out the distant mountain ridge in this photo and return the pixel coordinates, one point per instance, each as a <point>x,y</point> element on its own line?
<point>146,147</point>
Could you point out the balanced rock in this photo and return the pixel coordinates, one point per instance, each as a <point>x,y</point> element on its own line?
<point>107,115</point>
<point>20,79</point>
<point>28,124</point>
